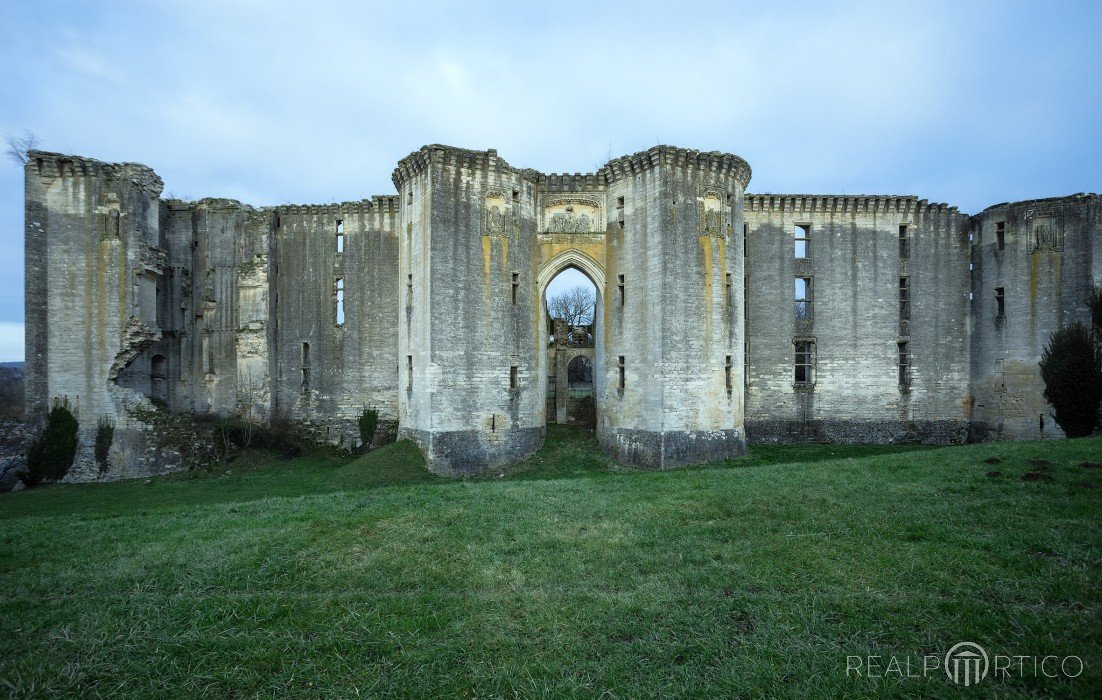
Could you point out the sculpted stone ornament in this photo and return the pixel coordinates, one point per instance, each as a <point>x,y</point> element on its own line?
<point>1046,237</point>
<point>572,214</point>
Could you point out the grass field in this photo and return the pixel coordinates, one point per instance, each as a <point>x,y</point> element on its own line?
<point>568,577</point>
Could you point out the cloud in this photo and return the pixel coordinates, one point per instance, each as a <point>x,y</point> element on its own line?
<point>274,102</point>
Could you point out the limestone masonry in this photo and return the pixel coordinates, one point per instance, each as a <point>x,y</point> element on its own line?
<point>721,316</point>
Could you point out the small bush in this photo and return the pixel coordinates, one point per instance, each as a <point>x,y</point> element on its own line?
<point>50,456</point>
<point>105,435</point>
<point>369,421</point>
<point>280,436</point>
<point>1071,368</point>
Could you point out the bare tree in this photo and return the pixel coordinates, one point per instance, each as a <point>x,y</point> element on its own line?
<point>20,146</point>
<point>575,305</point>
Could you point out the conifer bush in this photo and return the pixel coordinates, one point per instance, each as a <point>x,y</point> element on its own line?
<point>1071,367</point>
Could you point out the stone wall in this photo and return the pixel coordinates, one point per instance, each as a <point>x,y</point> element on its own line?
<point>853,320</point>
<point>678,324</point>
<point>469,224</point>
<point>1044,255</point>
<point>142,312</point>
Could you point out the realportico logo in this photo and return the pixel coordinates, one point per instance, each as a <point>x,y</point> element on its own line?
<point>966,663</point>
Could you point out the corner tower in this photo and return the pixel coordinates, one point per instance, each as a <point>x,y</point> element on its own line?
<point>674,329</point>
<point>467,364</point>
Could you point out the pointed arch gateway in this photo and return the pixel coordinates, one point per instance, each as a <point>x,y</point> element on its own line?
<point>560,403</point>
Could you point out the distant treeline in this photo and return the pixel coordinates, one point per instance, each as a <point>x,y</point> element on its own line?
<point>11,390</point>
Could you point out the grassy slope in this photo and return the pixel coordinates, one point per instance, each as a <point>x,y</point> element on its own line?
<point>331,578</point>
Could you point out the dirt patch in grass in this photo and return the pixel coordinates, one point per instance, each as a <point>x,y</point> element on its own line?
<point>1036,476</point>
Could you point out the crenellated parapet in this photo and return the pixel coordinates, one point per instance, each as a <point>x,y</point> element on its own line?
<point>59,165</point>
<point>422,160</point>
<point>714,162</point>
<point>572,182</point>
<point>818,203</point>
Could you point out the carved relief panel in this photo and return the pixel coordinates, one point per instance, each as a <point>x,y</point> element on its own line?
<point>572,214</point>
<point>714,213</point>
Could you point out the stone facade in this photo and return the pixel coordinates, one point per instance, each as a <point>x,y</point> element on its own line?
<point>721,316</point>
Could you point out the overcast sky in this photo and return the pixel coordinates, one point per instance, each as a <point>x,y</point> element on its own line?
<point>971,103</point>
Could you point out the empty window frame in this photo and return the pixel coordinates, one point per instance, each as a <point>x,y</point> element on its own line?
<point>516,286</point>
<point>306,366</point>
<point>904,363</point>
<point>1000,302</point>
<point>620,367</point>
<point>746,240</point>
<point>340,235</point>
<point>513,379</point>
<point>727,376</point>
<point>805,362</point>
<point>620,288</point>
<point>803,298</point>
<point>338,288</point>
<point>904,298</point>
<point>802,234</point>
<point>904,242</point>
<point>746,363</point>
<point>620,212</point>
<point>409,372</point>
<point>1000,234</point>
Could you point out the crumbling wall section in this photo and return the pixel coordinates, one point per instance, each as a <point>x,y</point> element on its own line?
<point>1041,257</point>
<point>94,267</point>
<point>328,369</point>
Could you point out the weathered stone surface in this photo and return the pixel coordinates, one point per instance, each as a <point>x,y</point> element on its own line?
<point>143,311</point>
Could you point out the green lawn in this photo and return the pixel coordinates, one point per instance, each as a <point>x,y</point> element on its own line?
<point>567,577</point>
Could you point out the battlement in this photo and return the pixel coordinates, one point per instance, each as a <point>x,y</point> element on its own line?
<point>377,204</point>
<point>1079,198</point>
<point>45,164</point>
<point>418,161</point>
<point>572,182</point>
<point>862,203</point>
<point>712,161</point>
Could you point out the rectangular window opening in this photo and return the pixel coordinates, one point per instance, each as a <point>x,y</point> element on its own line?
<point>1000,302</point>
<point>620,288</point>
<point>306,366</point>
<point>513,377</point>
<point>339,290</point>
<point>803,241</point>
<point>803,298</point>
<point>409,372</point>
<point>904,364</point>
<point>804,361</point>
<point>904,298</point>
<point>409,289</point>
<point>746,240</point>
<point>516,286</point>
<point>746,363</point>
<point>1000,234</point>
<point>727,376</point>
<point>620,366</point>
<point>516,196</point>
<point>904,243</point>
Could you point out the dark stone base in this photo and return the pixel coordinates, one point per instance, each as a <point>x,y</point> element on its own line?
<point>862,432</point>
<point>670,449</point>
<point>468,452</point>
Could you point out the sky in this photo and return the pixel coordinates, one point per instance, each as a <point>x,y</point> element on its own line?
<point>970,103</point>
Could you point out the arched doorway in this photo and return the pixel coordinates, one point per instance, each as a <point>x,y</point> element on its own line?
<point>571,338</point>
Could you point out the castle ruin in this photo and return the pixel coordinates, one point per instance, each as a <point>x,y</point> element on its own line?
<point>722,317</point>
